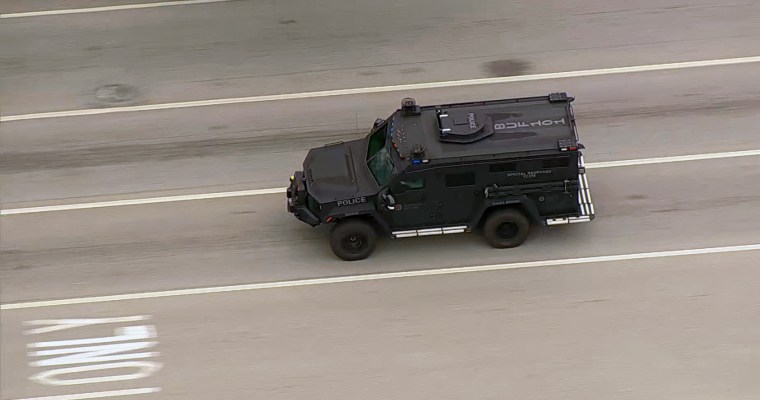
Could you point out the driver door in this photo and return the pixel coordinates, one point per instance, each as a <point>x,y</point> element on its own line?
<point>414,209</point>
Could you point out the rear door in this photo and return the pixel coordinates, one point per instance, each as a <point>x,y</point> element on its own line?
<point>458,195</point>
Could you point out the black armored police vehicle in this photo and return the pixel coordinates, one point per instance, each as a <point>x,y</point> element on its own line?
<point>496,167</point>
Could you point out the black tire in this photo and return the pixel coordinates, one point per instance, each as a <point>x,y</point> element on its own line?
<point>353,239</point>
<point>506,228</point>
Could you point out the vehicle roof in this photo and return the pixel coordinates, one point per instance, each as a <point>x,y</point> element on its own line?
<point>485,128</point>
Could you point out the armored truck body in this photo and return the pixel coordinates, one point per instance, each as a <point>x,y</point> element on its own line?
<point>496,166</point>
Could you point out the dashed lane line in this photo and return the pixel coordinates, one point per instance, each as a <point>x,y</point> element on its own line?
<point>108,8</point>
<point>380,276</point>
<point>150,200</point>
<point>391,88</point>
<point>258,192</point>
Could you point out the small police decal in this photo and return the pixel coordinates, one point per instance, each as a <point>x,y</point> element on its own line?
<point>351,202</point>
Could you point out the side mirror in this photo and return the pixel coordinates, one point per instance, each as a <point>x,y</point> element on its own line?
<point>389,202</point>
<point>377,123</point>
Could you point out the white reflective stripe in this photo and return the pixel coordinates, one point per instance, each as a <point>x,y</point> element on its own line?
<point>588,195</point>
<point>587,204</point>
<point>582,197</point>
<point>406,235</point>
<point>455,229</point>
<point>430,231</point>
<point>582,202</point>
<point>569,220</point>
<point>588,189</point>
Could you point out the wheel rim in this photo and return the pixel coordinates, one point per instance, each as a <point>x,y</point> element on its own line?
<point>354,243</point>
<point>507,230</point>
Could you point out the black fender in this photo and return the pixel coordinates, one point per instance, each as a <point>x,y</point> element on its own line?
<point>373,217</point>
<point>523,203</point>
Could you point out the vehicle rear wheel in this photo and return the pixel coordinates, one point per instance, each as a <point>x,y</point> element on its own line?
<point>506,228</point>
<point>353,240</point>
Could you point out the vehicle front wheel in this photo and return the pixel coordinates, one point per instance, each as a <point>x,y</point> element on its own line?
<point>353,240</point>
<point>506,228</point>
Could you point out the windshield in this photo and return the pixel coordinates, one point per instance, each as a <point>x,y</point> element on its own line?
<point>378,157</point>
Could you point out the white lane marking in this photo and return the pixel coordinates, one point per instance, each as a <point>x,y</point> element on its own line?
<point>108,8</point>
<point>672,159</point>
<point>93,354</point>
<point>150,200</point>
<point>142,369</point>
<point>96,358</point>
<point>256,192</point>
<point>121,334</point>
<point>392,88</point>
<point>55,325</point>
<point>380,276</point>
<point>97,395</point>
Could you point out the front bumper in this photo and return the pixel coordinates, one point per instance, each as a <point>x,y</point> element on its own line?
<point>296,200</point>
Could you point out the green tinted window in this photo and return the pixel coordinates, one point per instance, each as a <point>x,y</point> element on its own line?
<point>382,167</point>
<point>460,179</point>
<point>413,183</point>
<point>376,142</point>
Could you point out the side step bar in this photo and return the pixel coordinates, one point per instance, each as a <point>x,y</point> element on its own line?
<point>429,232</point>
<point>584,200</point>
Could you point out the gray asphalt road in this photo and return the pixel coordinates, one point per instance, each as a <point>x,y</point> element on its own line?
<point>259,145</point>
<point>228,241</point>
<point>634,330</point>
<point>655,329</point>
<point>244,48</point>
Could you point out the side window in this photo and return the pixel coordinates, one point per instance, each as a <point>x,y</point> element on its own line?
<point>560,162</point>
<point>460,179</point>
<point>528,165</point>
<point>408,183</point>
<point>503,167</point>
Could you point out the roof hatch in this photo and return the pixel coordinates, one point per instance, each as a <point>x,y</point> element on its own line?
<point>462,125</point>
